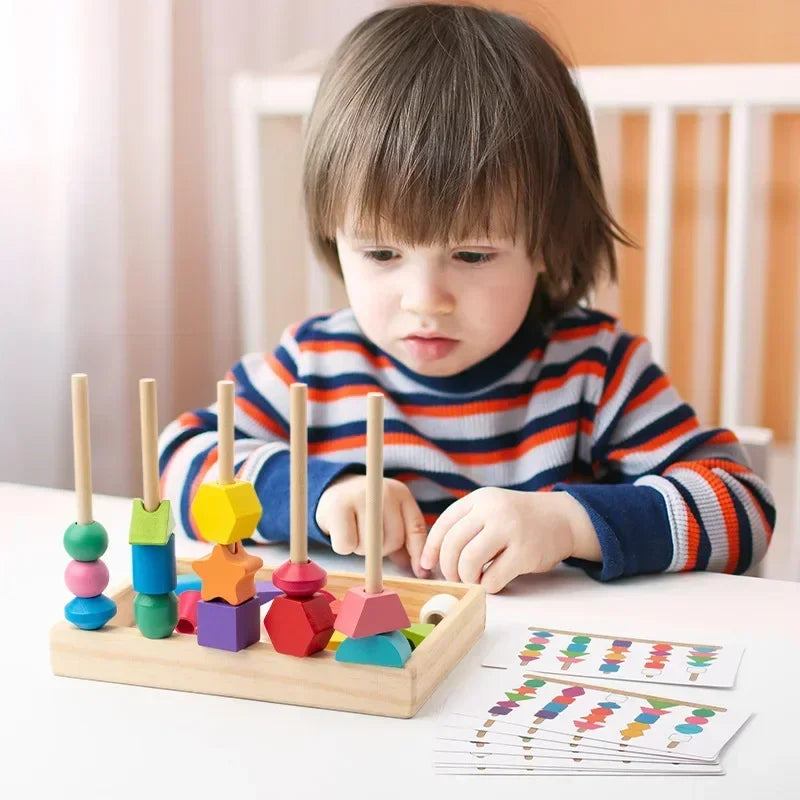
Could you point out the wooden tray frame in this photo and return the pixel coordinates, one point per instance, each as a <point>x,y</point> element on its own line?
<point>118,653</point>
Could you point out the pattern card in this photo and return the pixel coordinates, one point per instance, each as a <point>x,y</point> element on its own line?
<point>618,657</point>
<point>542,744</point>
<point>644,722</point>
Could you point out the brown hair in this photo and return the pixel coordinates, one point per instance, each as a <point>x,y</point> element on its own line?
<point>433,118</point>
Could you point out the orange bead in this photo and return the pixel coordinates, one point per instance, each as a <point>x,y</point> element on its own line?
<point>228,576</point>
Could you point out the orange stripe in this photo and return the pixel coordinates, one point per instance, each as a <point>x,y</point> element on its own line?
<point>723,437</point>
<point>257,415</point>
<point>584,331</point>
<point>659,441</point>
<point>189,420</point>
<point>622,369</point>
<point>656,387</point>
<point>279,369</point>
<point>692,539</point>
<point>725,501</point>
<point>340,347</point>
<point>579,368</point>
<point>567,430</point>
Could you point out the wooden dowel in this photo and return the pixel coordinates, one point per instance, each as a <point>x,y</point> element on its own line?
<point>81,448</point>
<point>298,444</point>
<point>149,431</point>
<point>374,541</point>
<point>225,431</point>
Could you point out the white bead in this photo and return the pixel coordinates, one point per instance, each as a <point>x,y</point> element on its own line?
<point>437,608</point>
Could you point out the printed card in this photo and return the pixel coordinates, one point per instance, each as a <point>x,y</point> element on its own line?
<point>618,657</point>
<point>642,721</point>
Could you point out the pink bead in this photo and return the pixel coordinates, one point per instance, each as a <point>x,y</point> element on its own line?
<point>86,578</point>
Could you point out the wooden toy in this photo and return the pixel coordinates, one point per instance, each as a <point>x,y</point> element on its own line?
<point>187,583</point>
<point>228,615</point>
<point>301,622</point>
<point>437,608</point>
<point>151,534</point>
<point>266,591</point>
<point>85,540</point>
<point>372,609</point>
<point>417,632</point>
<point>227,511</point>
<point>227,575</point>
<point>187,611</point>
<point>381,650</point>
<point>337,637</point>
<point>123,655</point>
<point>228,627</point>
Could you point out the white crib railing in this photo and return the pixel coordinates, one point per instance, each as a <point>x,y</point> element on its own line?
<point>746,92</point>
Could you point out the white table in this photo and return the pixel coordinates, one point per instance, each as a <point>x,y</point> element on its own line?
<point>67,738</point>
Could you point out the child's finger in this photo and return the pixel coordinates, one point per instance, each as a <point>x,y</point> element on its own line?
<point>343,530</point>
<point>394,529</point>
<point>401,558</point>
<point>478,552</point>
<point>416,533</point>
<point>452,514</point>
<point>500,572</point>
<point>455,540</point>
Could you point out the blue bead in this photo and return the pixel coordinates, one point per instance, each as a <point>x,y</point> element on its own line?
<point>187,583</point>
<point>382,650</point>
<point>154,570</point>
<point>90,613</point>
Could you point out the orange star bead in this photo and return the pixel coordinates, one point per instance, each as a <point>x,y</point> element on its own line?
<point>228,576</point>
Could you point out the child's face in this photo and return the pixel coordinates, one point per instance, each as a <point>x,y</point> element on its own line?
<point>438,310</point>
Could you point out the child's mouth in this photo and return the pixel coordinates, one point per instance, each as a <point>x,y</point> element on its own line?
<point>429,349</point>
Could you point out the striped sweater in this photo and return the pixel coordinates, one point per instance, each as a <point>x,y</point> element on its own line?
<point>574,405</point>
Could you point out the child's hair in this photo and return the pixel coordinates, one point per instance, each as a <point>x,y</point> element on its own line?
<point>445,121</point>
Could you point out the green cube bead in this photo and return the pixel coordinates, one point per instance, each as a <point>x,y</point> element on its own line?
<point>85,542</point>
<point>156,615</point>
<point>151,527</point>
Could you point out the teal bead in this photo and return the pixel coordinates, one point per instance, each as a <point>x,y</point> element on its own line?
<point>156,615</point>
<point>85,542</point>
<point>90,613</point>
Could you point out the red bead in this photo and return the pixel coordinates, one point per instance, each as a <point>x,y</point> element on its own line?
<point>299,626</point>
<point>187,611</point>
<point>299,580</point>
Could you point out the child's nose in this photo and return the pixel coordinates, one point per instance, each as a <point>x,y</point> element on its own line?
<point>427,296</point>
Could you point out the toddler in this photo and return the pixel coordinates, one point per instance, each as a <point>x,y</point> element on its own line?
<point>451,179</point>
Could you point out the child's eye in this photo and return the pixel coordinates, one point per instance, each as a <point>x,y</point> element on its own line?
<point>469,257</point>
<point>379,255</point>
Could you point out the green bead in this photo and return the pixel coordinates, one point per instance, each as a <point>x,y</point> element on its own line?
<point>85,542</point>
<point>156,615</point>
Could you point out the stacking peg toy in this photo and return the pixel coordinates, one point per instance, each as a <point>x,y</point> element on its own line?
<point>86,539</point>
<point>151,534</point>
<point>226,512</point>
<point>300,622</point>
<point>372,617</point>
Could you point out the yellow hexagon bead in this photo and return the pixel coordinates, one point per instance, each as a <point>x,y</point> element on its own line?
<point>226,514</point>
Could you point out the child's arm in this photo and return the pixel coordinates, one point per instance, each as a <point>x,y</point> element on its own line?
<point>188,445</point>
<point>670,495</point>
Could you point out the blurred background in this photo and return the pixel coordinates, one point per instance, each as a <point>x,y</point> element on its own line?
<point>138,231</point>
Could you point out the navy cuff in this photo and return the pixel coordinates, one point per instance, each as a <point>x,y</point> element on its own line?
<point>632,527</point>
<point>272,487</point>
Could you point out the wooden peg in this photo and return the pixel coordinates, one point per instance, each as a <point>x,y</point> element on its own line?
<point>371,609</point>
<point>81,447</point>
<point>148,416</point>
<point>298,488</point>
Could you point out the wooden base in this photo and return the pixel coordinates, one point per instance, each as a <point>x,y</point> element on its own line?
<point>120,654</point>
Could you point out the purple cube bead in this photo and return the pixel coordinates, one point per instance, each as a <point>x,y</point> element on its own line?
<point>266,591</point>
<point>228,627</point>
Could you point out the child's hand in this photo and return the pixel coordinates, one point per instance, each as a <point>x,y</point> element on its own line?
<point>518,532</point>
<point>342,515</point>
